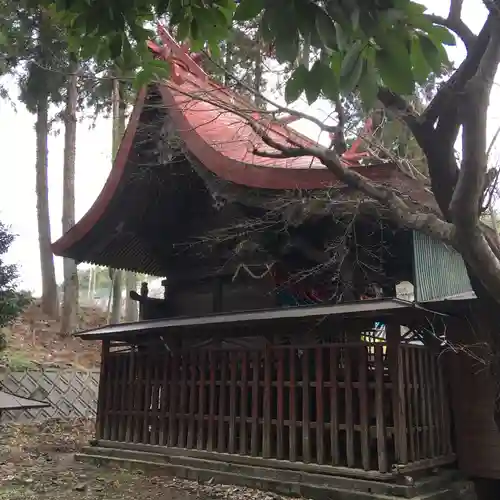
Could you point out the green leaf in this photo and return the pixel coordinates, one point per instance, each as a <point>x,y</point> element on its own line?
<point>142,78</point>
<point>441,35</point>
<point>351,59</point>
<point>115,45</point>
<point>421,68</point>
<point>287,47</point>
<point>431,53</point>
<point>248,9</point>
<point>326,29</point>
<point>349,81</point>
<point>396,72</point>
<point>368,84</point>
<point>315,80</point>
<point>296,84</point>
<point>340,37</point>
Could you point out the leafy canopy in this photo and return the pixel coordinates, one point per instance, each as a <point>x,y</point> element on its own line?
<point>360,44</point>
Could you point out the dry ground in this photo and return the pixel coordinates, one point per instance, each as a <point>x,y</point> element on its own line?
<point>36,462</point>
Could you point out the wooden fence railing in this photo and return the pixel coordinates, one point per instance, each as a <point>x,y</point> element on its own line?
<point>338,404</point>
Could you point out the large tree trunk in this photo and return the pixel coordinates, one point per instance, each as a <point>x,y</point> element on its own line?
<point>70,285</point>
<point>119,109</point>
<point>50,304</point>
<point>131,306</point>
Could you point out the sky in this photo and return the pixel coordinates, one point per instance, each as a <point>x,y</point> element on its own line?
<point>93,162</point>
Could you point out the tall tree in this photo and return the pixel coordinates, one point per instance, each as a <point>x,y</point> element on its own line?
<point>70,284</point>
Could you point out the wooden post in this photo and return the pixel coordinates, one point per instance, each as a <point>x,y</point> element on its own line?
<point>393,331</point>
<point>103,382</point>
<point>379,409</point>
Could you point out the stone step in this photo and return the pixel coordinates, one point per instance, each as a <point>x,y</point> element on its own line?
<point>290,482</point>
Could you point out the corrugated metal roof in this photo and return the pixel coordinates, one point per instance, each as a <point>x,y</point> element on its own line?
<point>440,272</point>
<point>11,402</point>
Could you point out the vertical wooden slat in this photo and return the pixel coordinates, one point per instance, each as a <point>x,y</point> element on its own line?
<point>292,408</point>
<point>320,411</point>
<point>174,399</point>
<point>200,440</point>
<point>306,444</point>
<point>363,408</point>
<point>211,401</point>
<point>443,398</point>
<point>436,404</point>
<point>334,419</point>
<point>280,413</point>
<point>429,397</point>
<point>192,399</point>
<point>379,409</point>
<point>254,444</point>
<point>181,441</point>
<point>401,404</point>
<point>165,398</point>
<point>349,421</point>
<point>423,403</point>
<point>405,350</point>
<point>116,396</point>
<point>416,402</point>
<point>155,417</point>
<point>147,399</point>
<point>130,397</point>
<point>232,403</point>
<point>221,424</point>
<point>104,381</point>
<point>266,406</point>
<point>243,403</point>
<point>139,397</point>
<point>125,390</point>
<point>393,333</point>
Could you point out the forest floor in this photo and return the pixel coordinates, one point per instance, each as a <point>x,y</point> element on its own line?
<point>36,463</point>
<point>34,340</point>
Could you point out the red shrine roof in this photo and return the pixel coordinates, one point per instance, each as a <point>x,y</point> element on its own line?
<point>212,123</point>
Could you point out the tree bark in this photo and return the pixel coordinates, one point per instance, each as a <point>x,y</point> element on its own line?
<point>50,303</point>
<point>70,285</point>
<point>131,309</point>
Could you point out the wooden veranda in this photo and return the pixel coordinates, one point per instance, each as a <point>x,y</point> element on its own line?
<point>358,407</point>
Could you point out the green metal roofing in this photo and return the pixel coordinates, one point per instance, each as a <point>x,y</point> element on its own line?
<point>440,271</point>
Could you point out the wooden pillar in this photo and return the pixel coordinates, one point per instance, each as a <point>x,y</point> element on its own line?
<point>394,358</point>
<point>103,381</point>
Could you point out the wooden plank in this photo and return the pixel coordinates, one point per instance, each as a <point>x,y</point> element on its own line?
<point>266,406</point>
<point>292,434</point>
<point>430,401</point>
<point>193,362</point>
<point>116,396</point>
<point>146,410</point>
<point>445,415</point>
<point>232,402</point>
<point>243,403</point>
<point>379,409</point>
<point>131,378</point>
<point>334,407</point>
<point>200,440</point>
<point>174,400</point>
<point>363,407</point>
<point>306,444</point>
<point>349,418</point>
<point>393,333</point>
<point>221,424</point>
<point>320,410</point>
<point>409,382</point>
<point>104,381</point>
<point>423,403</point>
<point>155,413</point>
<point>211,401</point>
<point>280,412</point>
<point>165,399</point>
<point>416,403</point>
<point>181,441</point>
<point>254,444</point>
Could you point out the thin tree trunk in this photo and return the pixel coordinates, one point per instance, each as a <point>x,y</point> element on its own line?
<point>116,274</point>
<point>70,285</point>
<point>131,309</point>
<point>228,64</point>
<point>50,304</point>
<point>259,102</point>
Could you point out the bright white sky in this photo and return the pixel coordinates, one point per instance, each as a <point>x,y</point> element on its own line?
<point>93,162</point>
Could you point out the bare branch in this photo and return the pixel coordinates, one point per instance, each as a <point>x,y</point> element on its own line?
<point>454,23</point>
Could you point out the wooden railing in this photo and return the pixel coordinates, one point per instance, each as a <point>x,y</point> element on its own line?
<point>329,404</point>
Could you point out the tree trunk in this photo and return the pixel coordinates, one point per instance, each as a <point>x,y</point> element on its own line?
<point>116,274</point>
<point>131,309</point>
<point>257,79</point>
<point>50,304</point>
<point>70,285</point>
